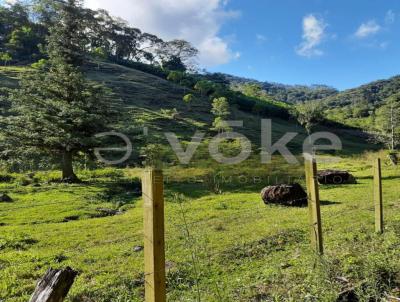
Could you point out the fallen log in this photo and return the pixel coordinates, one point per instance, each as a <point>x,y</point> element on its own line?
<point>54,286</point>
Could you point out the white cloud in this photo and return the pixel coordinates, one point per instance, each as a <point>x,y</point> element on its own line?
<point>11,2</point>
<point>198,21</point>
<point>368,29</point>
<point>390,17</point>
<point>313,34</point>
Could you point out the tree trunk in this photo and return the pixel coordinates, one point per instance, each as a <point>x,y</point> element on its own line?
<point>392,127</point>
<point>67,168</point>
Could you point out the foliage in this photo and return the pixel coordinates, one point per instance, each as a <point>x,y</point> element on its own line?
<point>387,122</point>
<point>204,87</point>
<point>24,29</point>
<point>220,107</point>
<point>170,113</point>
<point>357,107</point>
<point>175,64</point>
<point>175,76</point>
<point>188,99</point>
<point>41,64</point>
<point>5,57</point>
<point>56,110</point>
<point>285,93</point>
<point>308,114</point>
<point>220,125</point>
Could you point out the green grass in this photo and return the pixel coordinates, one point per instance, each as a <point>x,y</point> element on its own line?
<point>220,247</point>
<point>223,243</point>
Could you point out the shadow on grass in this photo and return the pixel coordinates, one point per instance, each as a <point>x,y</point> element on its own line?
<point>120,192</point>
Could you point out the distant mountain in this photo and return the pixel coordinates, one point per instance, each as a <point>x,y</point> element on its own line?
<point>356,107</point>
<point>373,93</point>
<point>287,93</point>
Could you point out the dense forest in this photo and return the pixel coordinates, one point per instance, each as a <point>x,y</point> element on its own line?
<point>24,28</point>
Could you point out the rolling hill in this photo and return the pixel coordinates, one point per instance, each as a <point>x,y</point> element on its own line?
<point>155,104</point>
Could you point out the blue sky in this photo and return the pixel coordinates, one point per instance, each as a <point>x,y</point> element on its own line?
<point>335,42</point>
<point>348,43</point>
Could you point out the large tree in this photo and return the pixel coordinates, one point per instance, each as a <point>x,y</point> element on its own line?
<point>56,110</point>
<point>387,122</point>
<point>308,114</point>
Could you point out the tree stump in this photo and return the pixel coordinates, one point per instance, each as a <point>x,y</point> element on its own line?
<point>54,286</point>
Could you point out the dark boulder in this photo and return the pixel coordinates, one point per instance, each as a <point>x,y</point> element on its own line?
<point>5,198</point>
<point>288,195</point>
<point>335,177</point>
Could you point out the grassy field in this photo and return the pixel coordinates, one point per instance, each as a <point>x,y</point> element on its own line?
<point>222,245</point>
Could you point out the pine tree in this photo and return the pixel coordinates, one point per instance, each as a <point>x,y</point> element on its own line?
<point>56,110</point>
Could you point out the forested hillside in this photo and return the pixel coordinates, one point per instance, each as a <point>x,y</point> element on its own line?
<point>359,106</point>
<point>287,93</point>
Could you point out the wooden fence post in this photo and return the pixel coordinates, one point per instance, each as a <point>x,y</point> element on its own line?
<point>154,241</point>
<point>378,200</point>
<point>314,204</point>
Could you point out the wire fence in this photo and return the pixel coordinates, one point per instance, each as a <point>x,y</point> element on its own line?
<point>198,245</point>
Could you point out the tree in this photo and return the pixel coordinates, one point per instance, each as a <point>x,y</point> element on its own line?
<point>220,107</point>
<point>220,125</point>
<point>177,54</point>
<point>204,87</point>
<point>174,63</point>
<point>56,110</point>
<point>5,57</point>
<point>188,99</point>
<point>175,76</point>
<point>308,115</point>
<point>387,122</point>
<point>100,54</point>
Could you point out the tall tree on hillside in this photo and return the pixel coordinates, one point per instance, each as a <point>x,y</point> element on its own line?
<point>387,122</point>
<point>56,110</point>
<point>220,109</point>
<point>308,114</point>
<point>178,54</point>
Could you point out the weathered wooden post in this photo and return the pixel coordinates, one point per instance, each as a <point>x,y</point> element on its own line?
<point>54,286</point>
<point>314,204</point>
<point>154,241</point>
<point>378,200</point>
